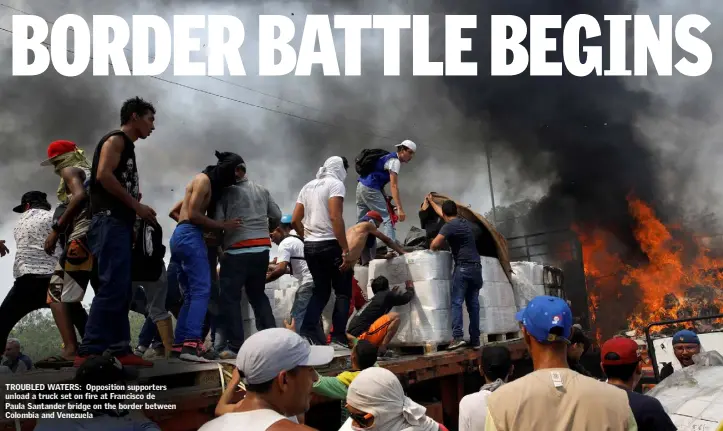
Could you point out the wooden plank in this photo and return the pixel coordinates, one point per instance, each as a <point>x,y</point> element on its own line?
<point>195,388</point>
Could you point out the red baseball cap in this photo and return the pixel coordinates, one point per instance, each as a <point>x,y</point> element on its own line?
<point>58,148</point>
<point>620,351</point>
<point>374,215</point>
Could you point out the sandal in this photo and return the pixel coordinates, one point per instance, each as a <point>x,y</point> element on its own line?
<point>55,362</point>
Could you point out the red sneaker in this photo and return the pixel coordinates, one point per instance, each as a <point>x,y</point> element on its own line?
<point>79,360</point>
<point>129,359</point>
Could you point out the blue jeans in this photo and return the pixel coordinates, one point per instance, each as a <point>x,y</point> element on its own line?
<point>301,303</point>
<point>324,259</point>
<point>368,199</point>
<point>188,251</point>
<point>149,335</point>
<point>110,240</point>
<point>466,284</point>
<point>242,271</point>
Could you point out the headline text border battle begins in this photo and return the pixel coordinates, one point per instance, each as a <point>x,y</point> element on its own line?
<point>509,53</point>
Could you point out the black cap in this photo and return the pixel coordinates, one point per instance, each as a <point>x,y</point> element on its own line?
<point>31,198</point>
<point>105,369</point>
<point>496,360</point>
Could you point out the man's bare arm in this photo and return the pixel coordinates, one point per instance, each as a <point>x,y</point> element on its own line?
<point>437,243</point>
<point>394,186</point>
<point>73,178</point>
<point>296,218</point>
<point>109,159</point>
<point>201,186</point>
<point>336,208</point>
<point>386,240</point>
<point>281,269</point>
<point>176,211</point>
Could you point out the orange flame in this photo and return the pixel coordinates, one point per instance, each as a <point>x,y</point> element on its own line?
<point>630,296</point>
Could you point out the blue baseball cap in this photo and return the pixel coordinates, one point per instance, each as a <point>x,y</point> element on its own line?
<point>286,219</point>
<point>686,336</point>
<point>544,313</point>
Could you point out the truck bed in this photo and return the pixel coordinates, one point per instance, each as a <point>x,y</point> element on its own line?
<point>196,388</point>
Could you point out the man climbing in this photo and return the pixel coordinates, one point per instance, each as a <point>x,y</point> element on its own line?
<point>376,323</point>
<point>74,268</point>
<point>362,238</point>
<point>375,171</point>
<point>291,260</point>
<point>188,250</point>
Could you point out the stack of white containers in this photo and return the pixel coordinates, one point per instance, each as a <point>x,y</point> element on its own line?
<point>528,281</point>
<point>496,300</point>
<point>281,294</point>
<point>361,274</point>
<point>427,318</point>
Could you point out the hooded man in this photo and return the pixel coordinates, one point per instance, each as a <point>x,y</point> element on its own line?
<point>245,259</point>
<point>189,253</point>
<point>376,400</point>
<point>318,218</point>
<point>71,222</point>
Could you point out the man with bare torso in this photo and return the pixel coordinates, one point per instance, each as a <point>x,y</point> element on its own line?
<point>362,238</point>
<point>189,252</point>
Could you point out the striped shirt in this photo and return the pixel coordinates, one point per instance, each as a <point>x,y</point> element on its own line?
<point>30,233</point>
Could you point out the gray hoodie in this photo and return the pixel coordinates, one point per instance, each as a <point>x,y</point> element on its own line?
<point>253,204</point>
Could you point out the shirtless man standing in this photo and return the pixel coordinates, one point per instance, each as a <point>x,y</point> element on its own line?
<point>189,252</point>
<point>362,238</point>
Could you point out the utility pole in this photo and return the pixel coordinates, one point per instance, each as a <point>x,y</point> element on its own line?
<point>492,192</point>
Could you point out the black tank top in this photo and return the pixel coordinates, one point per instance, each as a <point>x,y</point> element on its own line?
<point>126,173</point>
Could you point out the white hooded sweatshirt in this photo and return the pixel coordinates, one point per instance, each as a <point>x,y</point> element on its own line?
<point>377,391</point>
<point>315,195</point>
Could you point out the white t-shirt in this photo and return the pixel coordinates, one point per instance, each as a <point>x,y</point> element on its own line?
<point>315,197</point>
<point>30,233</point>
<point>393,165</point>
<point>473,411</point>
<point>292,247</point>
<point>257,420</point>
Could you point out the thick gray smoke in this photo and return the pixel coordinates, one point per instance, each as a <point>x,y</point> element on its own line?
<point>594,140</point>
<point>584,134</point>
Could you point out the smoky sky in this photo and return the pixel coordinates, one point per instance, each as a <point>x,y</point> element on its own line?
<point>590,141</point>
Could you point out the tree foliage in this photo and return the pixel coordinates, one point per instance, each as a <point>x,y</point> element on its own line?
<point>39,337</point>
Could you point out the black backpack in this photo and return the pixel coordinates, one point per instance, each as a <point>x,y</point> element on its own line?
<point>366,161</point>
<point>148,252</point>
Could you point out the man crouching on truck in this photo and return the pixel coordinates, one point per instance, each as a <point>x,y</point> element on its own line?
<point>362,239</point>
<point>376,323</point>
<point>189,252</point>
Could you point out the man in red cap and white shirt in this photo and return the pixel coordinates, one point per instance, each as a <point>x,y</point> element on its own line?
<point>622,365</point>
<point>71,222</point>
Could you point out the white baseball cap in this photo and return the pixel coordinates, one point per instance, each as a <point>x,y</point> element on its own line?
<point>267,353</point>
<point>409,144</point>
